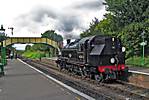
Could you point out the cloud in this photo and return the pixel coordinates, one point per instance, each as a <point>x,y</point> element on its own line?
<point>67,21</point>
<point>36,19</point>
<point>64,22</point>
<point>39,13</point>
<point>89,5</point>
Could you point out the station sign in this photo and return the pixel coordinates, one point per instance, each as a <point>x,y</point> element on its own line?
<point>143,43</point>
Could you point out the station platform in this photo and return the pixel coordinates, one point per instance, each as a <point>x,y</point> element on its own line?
<point>141,69</point>
<point>144,70</point>
<point>24,83</point>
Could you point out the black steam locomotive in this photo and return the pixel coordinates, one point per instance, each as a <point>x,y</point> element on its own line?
<point>98,57</point>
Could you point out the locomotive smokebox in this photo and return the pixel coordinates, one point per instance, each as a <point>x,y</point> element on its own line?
<point>68,41</point>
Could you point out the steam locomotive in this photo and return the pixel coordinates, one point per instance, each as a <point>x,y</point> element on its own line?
<point>98,57</point>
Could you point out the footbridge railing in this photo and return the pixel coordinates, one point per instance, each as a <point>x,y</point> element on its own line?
<point>23,40</point>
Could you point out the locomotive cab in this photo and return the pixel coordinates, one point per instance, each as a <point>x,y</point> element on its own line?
<point>104,51</point>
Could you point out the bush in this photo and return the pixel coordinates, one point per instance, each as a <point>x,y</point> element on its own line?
<point>137,61</point>
<point>33,54</point>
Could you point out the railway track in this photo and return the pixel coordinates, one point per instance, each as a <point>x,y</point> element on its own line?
<point>115,91</point>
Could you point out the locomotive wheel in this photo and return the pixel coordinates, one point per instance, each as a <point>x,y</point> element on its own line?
<point>70,69</point>
<point>59,67</point>
<point>81,72</point>
<point>98,78</point>
<point>124,75</point>
<point>74,69</point>
<point>84,71</point>
<point>110,76</point>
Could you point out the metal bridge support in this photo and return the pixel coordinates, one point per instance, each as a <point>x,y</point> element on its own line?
<point>2,69</point>
<point>4,61</point>
<point>52,52</point>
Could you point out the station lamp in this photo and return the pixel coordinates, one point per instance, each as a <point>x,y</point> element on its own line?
<point>2,31</point>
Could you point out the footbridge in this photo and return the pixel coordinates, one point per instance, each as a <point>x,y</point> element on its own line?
<point>24,40</point>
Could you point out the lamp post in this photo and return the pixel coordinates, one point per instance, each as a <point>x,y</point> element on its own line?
<point>3,56</point>
<point>11,28</point>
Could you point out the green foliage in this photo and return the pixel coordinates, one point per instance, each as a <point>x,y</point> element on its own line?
<point>40,47</point>
<point>20,52</point>
<point>37,50</point>
<point>33,55</point>
<point>128,11</point>
<point>92,30</point>
<point>28,47</point>
<point>52,35</point>
<point>107,26</point>
<point>136,60</point>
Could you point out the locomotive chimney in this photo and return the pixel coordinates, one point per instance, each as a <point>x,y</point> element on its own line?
<point>68,41</point>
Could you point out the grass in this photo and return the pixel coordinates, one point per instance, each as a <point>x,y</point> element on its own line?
<point>33,54</point>
<point>137,61</point>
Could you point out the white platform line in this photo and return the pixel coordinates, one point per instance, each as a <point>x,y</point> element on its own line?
<point>137,72</point>
<point>59,82</point>
<point>0,90</point>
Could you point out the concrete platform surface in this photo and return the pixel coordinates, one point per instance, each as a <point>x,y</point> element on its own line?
<point>23,83</point>
<point>139,69</point>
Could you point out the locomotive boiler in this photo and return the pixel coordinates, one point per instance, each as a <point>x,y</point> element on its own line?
<point>98,57</point>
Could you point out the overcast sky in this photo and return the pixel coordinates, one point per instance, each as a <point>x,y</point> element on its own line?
<point>30,18</point>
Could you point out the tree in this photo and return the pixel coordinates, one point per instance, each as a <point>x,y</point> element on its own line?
<point>107,26</point>
<point>127,11</point>
<point>131,19</point>
<point>52,35</point>
<point>28,47</point>
<point>92,29</point>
